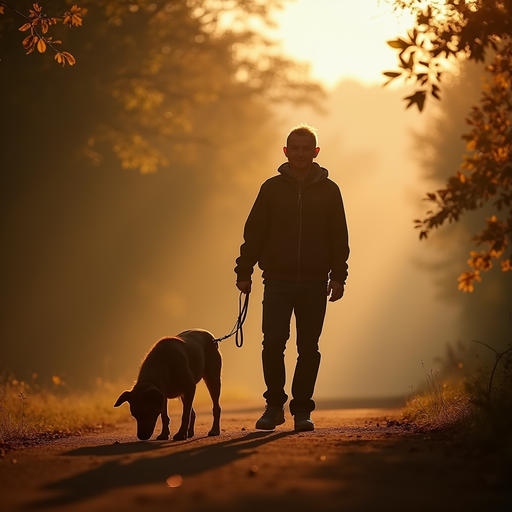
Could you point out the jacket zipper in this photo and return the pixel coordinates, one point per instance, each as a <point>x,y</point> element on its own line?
<point>299,202</point>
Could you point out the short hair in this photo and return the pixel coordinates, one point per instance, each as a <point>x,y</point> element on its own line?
<point>303,129</point>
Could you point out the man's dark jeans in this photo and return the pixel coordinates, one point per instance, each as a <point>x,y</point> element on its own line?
<point>308,300</point>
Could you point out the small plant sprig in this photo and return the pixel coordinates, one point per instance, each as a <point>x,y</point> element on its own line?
<point>39,24</point>
<point>12,427</point>
<point>438,405</point>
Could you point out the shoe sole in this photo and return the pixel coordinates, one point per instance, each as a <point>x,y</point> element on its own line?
<point>305,428</point>
<point>267,427</point>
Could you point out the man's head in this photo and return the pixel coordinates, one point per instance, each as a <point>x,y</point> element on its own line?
<point>301,148</point>
<point>303,130</point>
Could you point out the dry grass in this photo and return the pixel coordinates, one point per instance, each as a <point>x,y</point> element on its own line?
<point>476,412</point>
<point>440,404</point>
<point>28,410</point>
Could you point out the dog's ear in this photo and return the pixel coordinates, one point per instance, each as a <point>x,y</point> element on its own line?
<point>155,398</point>
<point>125,397</point>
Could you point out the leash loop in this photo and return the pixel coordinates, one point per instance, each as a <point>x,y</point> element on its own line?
<point>237,328</point>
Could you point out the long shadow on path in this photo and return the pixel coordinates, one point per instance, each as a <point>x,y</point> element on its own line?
<point>117,474</point>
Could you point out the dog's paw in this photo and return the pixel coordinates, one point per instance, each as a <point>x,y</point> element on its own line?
<point>163,437</point>
<point>179,436</point>
<point>214,433</point>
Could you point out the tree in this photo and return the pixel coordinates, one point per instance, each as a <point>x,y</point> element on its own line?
<point>119,256</point>
<point>147,66</point>
<point>444,33</point>
<point>483,315</point>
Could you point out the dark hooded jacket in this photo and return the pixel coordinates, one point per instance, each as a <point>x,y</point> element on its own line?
<point>296,231</point>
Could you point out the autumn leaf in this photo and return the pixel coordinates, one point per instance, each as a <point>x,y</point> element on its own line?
<point>30,42</point>
<point>467,279</point>
<point>25,27</point>
<point>398,44</point>
<point>37,9</point>
<point>63,57</point>
<point>391,74</point>
<point>46,23</point>
<point>417,98</point>
<point>41,46</point>
<point>72,18</point>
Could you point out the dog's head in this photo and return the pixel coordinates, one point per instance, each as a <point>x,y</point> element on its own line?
<point>145,406</point>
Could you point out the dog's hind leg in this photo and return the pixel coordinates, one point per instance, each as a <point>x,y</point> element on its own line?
<point>165,423</point>
<point>187,400</point>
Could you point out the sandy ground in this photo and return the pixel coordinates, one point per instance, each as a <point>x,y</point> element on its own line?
<point>353,461</point>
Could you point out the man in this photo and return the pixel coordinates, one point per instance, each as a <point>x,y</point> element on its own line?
<point>297,233</point>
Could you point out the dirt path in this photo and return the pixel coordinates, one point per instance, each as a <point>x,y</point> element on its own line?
<point>353,461</point>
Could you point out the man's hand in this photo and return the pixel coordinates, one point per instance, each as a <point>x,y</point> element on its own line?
<point>244,286</point>
<point>335,290</point>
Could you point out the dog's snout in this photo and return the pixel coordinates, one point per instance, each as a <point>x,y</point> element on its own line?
<point>144,435</point>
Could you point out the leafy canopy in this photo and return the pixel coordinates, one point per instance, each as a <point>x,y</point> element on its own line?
<point>148,67</point>
<point>445,32</point>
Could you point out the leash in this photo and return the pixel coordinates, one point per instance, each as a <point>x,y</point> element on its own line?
<point>237,328</point>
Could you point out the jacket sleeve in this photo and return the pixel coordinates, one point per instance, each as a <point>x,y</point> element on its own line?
<point>255,235</point>
<point>339,241</point>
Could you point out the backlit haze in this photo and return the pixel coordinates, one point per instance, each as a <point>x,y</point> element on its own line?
<point>124,259</point>
<point>390,323</point>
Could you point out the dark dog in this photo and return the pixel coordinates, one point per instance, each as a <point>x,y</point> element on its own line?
<point>171,369</point>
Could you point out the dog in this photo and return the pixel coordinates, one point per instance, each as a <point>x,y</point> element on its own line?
<point>171,369</point>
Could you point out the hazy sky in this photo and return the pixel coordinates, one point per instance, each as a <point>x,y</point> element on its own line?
<point>139,257</point>
<point>340,38</point>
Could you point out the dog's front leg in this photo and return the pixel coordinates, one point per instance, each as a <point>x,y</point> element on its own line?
<point>165,423</point>
<point>187,400</point>
<point>191,431</point>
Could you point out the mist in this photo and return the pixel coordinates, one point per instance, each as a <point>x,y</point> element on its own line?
<point>101,261</point>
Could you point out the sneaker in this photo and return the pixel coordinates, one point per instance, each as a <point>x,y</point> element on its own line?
<point>303,422</point>
<point>273,416</point>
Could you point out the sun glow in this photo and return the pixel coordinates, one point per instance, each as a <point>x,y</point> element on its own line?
<point>341,38</point>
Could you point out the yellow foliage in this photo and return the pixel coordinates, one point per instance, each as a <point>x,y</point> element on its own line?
<point>500,79</point>
<point>501,154</point>
<point>471,145</point>
<point>466,280</point>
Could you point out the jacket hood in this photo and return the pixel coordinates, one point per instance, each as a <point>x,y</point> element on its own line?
<point>317,173</point>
